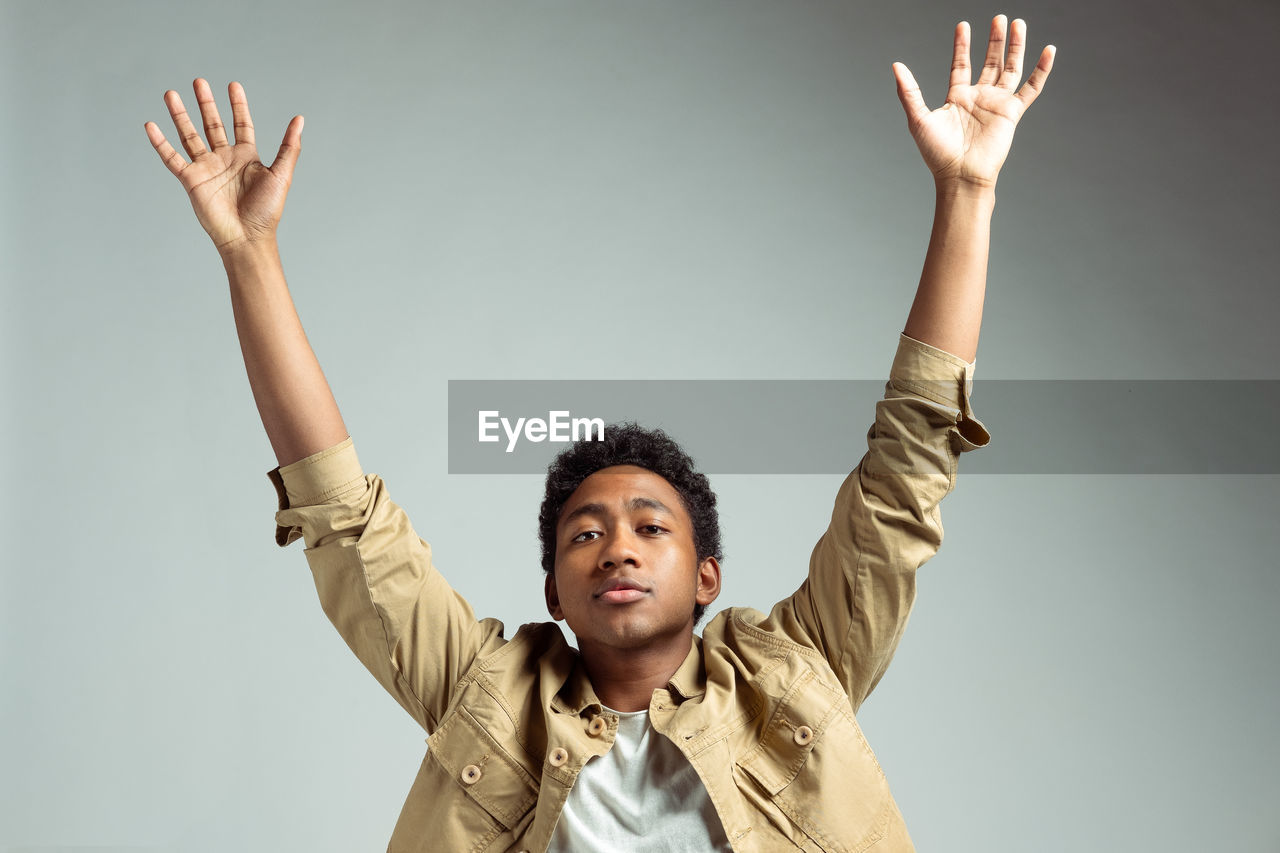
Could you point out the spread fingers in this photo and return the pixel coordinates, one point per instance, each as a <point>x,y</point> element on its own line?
<point>191,140</point>
<point>1013,62</point>
<point>994,63</point>
<point>213,129</point>
<point>171,159</point>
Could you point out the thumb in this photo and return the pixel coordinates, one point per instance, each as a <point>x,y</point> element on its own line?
<point>290,148</point>
<point>909,93</point>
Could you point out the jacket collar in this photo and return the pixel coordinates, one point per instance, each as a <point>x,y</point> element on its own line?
<point>576,695</point>
<point>690,680</point>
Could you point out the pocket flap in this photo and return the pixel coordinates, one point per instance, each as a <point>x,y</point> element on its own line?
<point>504,788</point>
<point>798,723</point>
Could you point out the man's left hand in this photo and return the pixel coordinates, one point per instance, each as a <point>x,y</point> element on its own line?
<point>966,140</point>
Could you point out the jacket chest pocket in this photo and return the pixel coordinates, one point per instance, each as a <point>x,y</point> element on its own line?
<point>474,788</point>
<point>817,772</point>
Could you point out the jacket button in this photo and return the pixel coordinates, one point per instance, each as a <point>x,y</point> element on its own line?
<point>804,734</point>
<point>558,757</point>
<point>471,774</point>
<point>597,726</point>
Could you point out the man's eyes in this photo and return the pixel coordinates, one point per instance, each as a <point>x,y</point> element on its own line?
<point>648,529</point>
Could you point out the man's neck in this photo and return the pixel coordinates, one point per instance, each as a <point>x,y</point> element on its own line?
<point>624,679</point>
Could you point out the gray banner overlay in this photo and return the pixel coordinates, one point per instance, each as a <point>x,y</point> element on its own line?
<point>820,426</point>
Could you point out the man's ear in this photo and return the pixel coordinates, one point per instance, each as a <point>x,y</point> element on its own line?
<point>708,581</point>
<point>553,597</point>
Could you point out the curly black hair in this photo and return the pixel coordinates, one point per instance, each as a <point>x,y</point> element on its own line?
<point>630,444</point>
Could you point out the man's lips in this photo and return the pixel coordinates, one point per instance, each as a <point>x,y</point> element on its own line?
<point>621,591</point>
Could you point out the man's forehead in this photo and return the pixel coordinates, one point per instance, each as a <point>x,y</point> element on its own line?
<point>628,486</point>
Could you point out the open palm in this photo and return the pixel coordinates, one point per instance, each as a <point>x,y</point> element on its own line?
<point>237,199</point>
<point>968,137</point>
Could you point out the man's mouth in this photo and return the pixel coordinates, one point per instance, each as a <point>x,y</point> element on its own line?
<point>621,591</point>
<point>622,596</point>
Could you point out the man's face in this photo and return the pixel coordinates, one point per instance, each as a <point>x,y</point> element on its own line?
<point>626,571</point>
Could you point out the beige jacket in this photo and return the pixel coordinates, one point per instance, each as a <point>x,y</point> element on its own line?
<point>763,706</point>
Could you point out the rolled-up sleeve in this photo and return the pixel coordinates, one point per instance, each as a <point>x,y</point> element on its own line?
<point>855,602</point>
<point>377,583</point>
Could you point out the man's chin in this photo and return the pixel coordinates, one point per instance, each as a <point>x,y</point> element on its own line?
<point>629,634</point>
<point>624,636</point>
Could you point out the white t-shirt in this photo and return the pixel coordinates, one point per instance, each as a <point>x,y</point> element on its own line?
<point>642,795</point>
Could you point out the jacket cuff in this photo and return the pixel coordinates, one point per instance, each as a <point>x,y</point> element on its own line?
<point>943,378</point>
<point>316,479</point>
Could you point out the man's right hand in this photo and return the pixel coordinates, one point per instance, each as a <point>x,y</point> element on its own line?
<point>238,200</point>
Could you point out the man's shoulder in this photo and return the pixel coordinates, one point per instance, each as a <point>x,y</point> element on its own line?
<point>743,643</point>
<point>747,630</point>
<point>521,676</point>
<point>536,645</point>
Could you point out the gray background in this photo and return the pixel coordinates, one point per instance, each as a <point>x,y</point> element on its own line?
<point>656,190</point>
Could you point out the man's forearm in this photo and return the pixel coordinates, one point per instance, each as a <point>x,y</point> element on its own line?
<point>295,403</point>
<point>947,311</point>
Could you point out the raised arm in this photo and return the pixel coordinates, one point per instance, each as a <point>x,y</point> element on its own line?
<point>373,574</point>
<point>239,202</point>
<point>964,143</point>
<point>855,603</point>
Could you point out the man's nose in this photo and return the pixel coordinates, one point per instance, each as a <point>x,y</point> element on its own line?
<point>620,549</point>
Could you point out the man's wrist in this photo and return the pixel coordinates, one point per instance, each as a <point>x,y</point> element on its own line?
<point>249,246</point>
<point>247,254</point>
<point>966,189</point>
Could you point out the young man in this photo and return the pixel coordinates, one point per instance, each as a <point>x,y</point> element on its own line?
<point>647,737</point>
